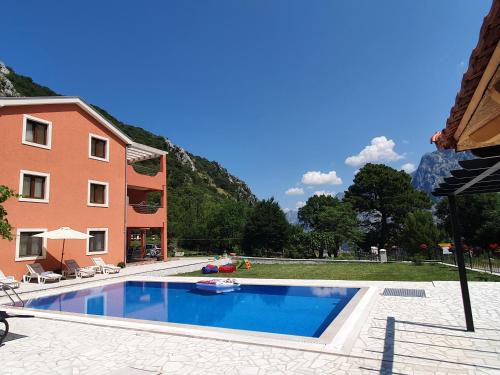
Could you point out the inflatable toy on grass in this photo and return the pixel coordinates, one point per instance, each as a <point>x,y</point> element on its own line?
<point>244,263</point>
<point>210,268</point>
<point>227,268</point>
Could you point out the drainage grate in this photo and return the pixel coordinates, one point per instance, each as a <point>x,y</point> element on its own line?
<point>401,292</point>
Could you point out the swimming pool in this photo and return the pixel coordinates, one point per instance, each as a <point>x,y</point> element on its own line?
<point>289,310</point>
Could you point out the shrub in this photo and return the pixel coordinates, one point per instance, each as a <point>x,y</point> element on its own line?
<point>418,260</point>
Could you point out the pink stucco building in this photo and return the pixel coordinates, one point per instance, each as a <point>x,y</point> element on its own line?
<point>74,168</point>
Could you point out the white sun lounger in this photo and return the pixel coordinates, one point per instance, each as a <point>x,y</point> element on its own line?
<point>105,268</point>
<point>36,270</point>
<point>9,280</point>
<point>75,270</point>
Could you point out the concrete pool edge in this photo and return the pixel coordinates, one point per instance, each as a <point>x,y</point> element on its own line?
<point>335,339</point>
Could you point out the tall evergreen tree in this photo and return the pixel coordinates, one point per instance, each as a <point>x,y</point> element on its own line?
<point>309,214</point>
<point>383,197</point>
<point>266,230</point>
<point>479,217</point>
<point>341,223</point>
<point>332,221</point>
<point>418,229</point>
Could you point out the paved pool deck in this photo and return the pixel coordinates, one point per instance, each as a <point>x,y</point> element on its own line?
<point>398,335</point>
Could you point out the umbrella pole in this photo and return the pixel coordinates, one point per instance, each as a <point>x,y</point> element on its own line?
<point>62,255</point>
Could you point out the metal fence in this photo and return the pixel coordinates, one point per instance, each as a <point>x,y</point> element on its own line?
<point>142,169</point>
<point>477,262</point>
<point>142,208</point>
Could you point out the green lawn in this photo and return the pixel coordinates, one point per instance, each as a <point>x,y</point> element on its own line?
<point>355,271</point>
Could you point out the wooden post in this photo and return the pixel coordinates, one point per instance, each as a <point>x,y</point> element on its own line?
<point>489,260</point>
<point>164,203</point>
<point>128,244</point>
<point>143,243</point>
<point>460,263</point>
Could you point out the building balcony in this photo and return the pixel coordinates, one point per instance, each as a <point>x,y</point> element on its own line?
<point>145,178</point>
<point>146,216</point>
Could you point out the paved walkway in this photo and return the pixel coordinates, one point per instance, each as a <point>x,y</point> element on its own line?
<point>401,335</point>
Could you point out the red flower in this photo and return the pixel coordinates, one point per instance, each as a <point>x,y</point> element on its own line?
<point>493,246</point>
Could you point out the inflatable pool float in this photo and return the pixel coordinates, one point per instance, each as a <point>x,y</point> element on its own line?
<point>211,268</point>
<point>227,268</point>
<point>217,285</point>
<point>244,263</point>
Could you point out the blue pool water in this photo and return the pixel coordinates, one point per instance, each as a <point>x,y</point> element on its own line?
<point>290,310</point>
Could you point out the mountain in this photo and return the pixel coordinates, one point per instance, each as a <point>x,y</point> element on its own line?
<point>195,184</point>
<point>291,216</point>
<point>434,166</point>
<point>340,196</point>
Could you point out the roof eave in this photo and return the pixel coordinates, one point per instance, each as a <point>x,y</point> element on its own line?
<point>19,101</point>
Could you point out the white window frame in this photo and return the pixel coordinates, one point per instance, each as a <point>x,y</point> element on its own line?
<point>18,244</point>
<point>91,253</point>
<point>46,188</point>
<point>106,195</point>
<point>91,135</point>
<point>48,146</point>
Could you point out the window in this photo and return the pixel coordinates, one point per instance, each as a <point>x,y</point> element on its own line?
<point>98,194</point>
<point>34,186</point>
<point>98,243</point>
<point>98,147</point>
<point>37,132</point>
<point>29,247</point>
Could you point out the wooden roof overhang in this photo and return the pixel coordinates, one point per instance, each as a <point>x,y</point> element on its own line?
<point>474,120</point>
<point>474,124</point>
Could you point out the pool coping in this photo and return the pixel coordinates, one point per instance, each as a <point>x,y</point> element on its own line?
<point>337,338</point>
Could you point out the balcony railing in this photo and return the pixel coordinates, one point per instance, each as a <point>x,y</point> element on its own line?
<point>149,171</point>
<point>147,209</point>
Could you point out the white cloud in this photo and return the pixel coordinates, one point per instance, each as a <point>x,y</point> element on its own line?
<point>356,172</point>
<point>324,192</point>
<point>319,178</point>
<point>300,204</point>
<point>409,168</point>
<point>295,191</point>
<point>286,210</point>
<point>380,149</point>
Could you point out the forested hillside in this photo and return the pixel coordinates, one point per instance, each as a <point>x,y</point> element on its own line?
<point>198,189</point>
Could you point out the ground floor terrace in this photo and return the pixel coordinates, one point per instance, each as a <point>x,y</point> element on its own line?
<point>393,335</point>
<point>146,244</point>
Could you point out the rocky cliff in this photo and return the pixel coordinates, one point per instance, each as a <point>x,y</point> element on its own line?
<point>434,166</point>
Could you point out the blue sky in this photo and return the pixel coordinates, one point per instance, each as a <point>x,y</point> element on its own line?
<point>286,94</point>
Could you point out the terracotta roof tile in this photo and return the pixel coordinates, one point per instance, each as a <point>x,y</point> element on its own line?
<point>479,59</point>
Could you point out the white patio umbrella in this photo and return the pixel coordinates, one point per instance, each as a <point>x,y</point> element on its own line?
<point>63,233</point>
